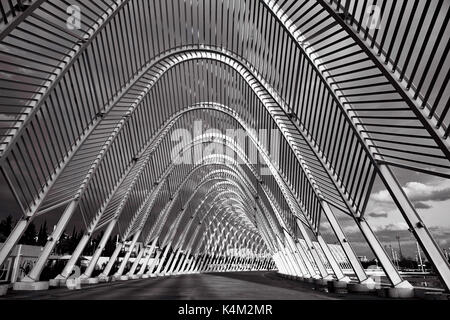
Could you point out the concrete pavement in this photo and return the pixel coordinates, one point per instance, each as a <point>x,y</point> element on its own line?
<point>219,286</point>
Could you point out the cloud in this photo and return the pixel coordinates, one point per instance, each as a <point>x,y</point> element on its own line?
<point>422,205</point>
<point>398,226</point>
<point>378,215</point>
<point>419,193</point>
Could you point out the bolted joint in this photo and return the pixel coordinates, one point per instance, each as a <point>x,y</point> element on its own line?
<point>100,115</point>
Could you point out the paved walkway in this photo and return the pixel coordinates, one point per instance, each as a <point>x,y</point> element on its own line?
<point>230,286</point>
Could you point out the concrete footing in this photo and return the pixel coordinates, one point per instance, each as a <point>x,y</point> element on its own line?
<point>321,285</point>
<point>400,293</point>
<point>89,280</point>
<point>56,283</point>
<point>123,278</point>
<point>145,276</point>
<point>3,289</point>
<point>135,276</point>
<point>336,286</point>
<point>103,279</point>
<point>31,286</point>
<point>309,280</point>
<point>366,286</point>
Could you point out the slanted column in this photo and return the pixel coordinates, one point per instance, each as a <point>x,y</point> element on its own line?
<point>419,229</point>
<point>303,263</point>
<point>204,264</point>
<point>296,266</point>
<point>175,261</point>
<point>192,264</point>
<point>128,254</point>
<point>148,257</point>
<point>282,264</point>
<point>169,262</point>
<point>163,259</point>
<point>179,263</point>
<point>153,264</point>
<point>67,271</point>
<point>183,266</point>
<point>101,246</point>
<point>136,262</point>
<point>351,256</point>
<point>386,263</point>
<point>112,260</point>
<point>290,267</point>
<point>50,245</point>
<point>323,271</point>
<point>296,270</point>
<point>20,227</point>
<point>340,276</point>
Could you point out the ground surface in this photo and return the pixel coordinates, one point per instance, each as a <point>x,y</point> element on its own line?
<point>221,286</point>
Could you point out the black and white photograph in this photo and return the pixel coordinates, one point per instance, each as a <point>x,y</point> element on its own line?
<point>252,151</point>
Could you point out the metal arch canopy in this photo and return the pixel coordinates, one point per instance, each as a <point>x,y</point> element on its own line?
<point>94,115</point>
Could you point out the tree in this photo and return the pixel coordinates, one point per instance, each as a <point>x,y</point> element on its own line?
<point>30,235</point>
<point>5,228</point>
<point>43,234</point>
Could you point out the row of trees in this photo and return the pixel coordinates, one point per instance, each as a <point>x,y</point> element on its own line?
<point>66,244</point>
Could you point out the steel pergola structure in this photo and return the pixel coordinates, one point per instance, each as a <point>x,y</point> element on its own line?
<point>88,117</point>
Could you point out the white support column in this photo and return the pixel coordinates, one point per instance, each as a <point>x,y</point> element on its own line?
<point>101,246</point>
<point>412,218</point>
<point>147,259</point>
<point>192,264</point>
<point>323,271</point>
<point>50,245</point>
<point>67,271</point>
<point>389,269</point>
<point>169,263</point>
<point>297,267</point>
<point>112,260</point>
<point>136,262</point>
<point>14,238</point>
<point>351,256</point>
<point>340,276</point>
<point>154,262</point>
<point>163,259</point>
<point>127,255</point>
<point>302,259</point>
<point>179,261</point>
<point>183,265</point>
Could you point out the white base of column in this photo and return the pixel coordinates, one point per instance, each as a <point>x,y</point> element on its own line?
<point>31,286</point>
<point>338,286</point>
<point>145,276</point>
<point>103,278</point>
<point>135,276</point>
<point>57,282</point>
<point>3,289</point>
<point>400,293</point>
<point>403,290</point>
<point>368,285</point>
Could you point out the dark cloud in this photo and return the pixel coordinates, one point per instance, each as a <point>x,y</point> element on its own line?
<point>422,205</point>
<point>378,215</point>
